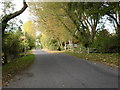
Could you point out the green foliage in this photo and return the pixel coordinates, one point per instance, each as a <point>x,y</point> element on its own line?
<point>54,23</point>
<point>7,8</point>
<point>48,43</point>
<point>105,42</point>
<point>30,41</point>
<point>14,43</point>
<point>11,45</point>
<point>86,18</point>
<point>52,45</point>
<point>76,21</point>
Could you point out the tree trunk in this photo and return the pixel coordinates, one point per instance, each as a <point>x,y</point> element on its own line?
<point>59,46</point>
<point>93,33</point>
<point>6,18</point>
<point>118,34</point>
<point>65,46</point>
<point>7,57</point>
<point>70,45</point>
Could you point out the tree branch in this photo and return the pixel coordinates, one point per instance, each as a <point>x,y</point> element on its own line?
<point>6,18</point>
<point>113,19</point>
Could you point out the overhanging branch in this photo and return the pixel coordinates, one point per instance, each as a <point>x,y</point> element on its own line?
<point>6,18</point>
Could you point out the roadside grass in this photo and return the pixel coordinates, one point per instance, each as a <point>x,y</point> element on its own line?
<point>14,67</point>
<point>110,59</point>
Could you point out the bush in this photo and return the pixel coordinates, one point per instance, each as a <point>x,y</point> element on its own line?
<point>105,42</point>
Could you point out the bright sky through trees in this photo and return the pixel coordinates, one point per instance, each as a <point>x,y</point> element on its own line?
<point>25,16</point>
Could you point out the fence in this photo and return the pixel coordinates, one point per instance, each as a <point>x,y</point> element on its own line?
<point>87,50</point>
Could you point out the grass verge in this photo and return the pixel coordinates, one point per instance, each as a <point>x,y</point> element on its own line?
<point>11,69</point>
<point>110,59</point>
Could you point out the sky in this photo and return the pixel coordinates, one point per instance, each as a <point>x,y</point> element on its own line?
<point>25,16</point>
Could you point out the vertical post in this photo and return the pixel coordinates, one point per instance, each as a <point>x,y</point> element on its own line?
<point>24,46</point>
<point>69,44</point>
<point>80,50</point>
<point>88,50</point>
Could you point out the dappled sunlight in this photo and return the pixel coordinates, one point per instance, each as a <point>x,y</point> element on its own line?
<point>55,51</point>
<point>38,51</point>
<point>52,51</point>
<point>45,51</point>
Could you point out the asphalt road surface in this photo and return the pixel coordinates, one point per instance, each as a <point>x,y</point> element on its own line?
<point>64,71</point>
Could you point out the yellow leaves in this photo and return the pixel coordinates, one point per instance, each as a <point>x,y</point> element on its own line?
<point>30,28</point>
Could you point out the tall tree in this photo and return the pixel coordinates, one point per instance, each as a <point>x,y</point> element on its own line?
<point>112,9</point>
<point>85,16</point>
<point>52,18</point>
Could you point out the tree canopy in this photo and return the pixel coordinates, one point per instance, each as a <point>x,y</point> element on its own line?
<point>62,24</point>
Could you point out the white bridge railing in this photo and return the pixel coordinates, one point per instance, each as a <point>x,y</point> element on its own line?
<point>87,50</point>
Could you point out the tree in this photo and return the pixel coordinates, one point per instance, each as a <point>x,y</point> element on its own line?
<point>51,20</point>
<point>6,18</point>
<point>11,45</point>
<point>79,20</point>
<point>30,41</point>
<point>112,10</point>
<point>105,42</point>
<point>85,16</point>
<point>29,28</point>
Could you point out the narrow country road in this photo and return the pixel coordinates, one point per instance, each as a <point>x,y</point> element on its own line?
<point>63,71</point>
